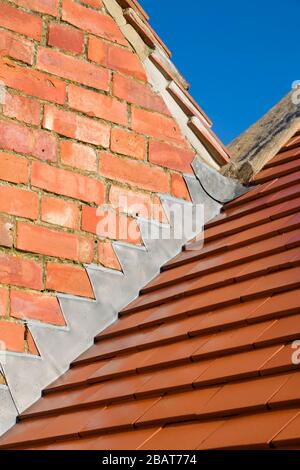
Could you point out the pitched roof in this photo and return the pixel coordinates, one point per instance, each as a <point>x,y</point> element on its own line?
<point>203,358</point>
<point>257,145</point>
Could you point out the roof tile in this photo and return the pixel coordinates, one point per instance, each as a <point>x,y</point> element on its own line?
<point>246,432</point>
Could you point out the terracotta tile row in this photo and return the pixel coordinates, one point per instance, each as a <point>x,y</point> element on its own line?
<point>278,171</point>
<point>230,242</point>
<point>290,153</point>
<point>261,281</point>
<point>225,260</point>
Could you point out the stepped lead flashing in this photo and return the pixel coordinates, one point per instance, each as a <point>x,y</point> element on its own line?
<point>27,375</point>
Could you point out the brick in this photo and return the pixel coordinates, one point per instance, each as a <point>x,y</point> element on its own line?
<point>179,188</point>
<point>20,202</point>
<point>42,240</point>
<point>135,173</point>
<point>171,157</point>
<point>76,127</point>
<point>33,142</point>
<point>128,143</point>
<point>69,279</point>
<point>110,224</point>
<point>65,37</point>
<point>33,83</point>
<point>59,212</point>
<point>78,156</point>
<point>14,169</point>
<point>32,349</point>
<point>21,272</point>
<point>36,306</point>
<point>12,336</point>
<point>116,58</point>
<point>131,202</point>
<point>74,69</point>
<point>18,48</point>
<point>97,105</point>
<point>49,7</point>
<point>156,125</point>
<point>4,297</point>
<point>92,21</point>
<point>93,3</point>
<point>20,21</point>
<point>98,51</point>
<point>22,108</point>
<point>135,92</point>
<point>6,232</point>
<point>67,183</point>
<point>107,257</point>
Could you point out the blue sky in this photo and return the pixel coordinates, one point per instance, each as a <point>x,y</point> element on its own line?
<point>239,57</point>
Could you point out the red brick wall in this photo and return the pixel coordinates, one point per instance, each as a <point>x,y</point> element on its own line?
<point>79,127</point>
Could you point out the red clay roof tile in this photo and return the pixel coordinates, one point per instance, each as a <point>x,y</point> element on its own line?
<point>288,394</point>
<point>289,434</point>
<point>189,436</point>
<point>248,432</point>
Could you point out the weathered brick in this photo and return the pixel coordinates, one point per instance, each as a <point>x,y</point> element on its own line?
<point>93,3</point>
<point>135,92</point>
<point>14,169</point>
<point>6,232</point>
<point>76,127</point>
<point>18,48</point>
<point>42,240</point>
<point>21,272</point>
<point>12,336</point>
<point>179,187</point>
<point>95,104</point>
<point>110,224</point>
<point>36,306</point>
<point>92,21</point>
<point>33,83</point>
<point>43,6</point>
<point>69,279</point>
<point>34,142</point>
<point>4,297</point>
<point>132,172</point>
<point>65,37</point>
<point>131,202</point>
<point>67,183</point>
<point>156,125</point>
<point>20,21</point>
<point>72,68</point>
<point>20,202</point>
<point>107,257</point>
<point>128,143</point>
<point>171,157</point>
<point>116,58</point>
<point>59,212</point>
<point>22,108</point>
<point>98,50</point>
<point>78,155</point>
